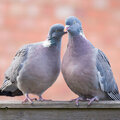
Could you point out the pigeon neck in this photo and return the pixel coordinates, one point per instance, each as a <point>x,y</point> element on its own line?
<point>79,44</point>
<point>55,42</point>
<point>76,40</point>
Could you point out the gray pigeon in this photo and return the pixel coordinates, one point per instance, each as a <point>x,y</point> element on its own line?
<point>85,68</point>
<point>35,67</point>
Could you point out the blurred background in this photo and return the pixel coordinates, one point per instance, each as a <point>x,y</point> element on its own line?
<point>28,21</point>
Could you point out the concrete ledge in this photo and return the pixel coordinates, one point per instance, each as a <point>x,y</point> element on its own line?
<point>59,110</point>
<point>59,104</point>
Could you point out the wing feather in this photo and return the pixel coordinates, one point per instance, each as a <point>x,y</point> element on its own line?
<point>106,78</point>
<point>11,74</point>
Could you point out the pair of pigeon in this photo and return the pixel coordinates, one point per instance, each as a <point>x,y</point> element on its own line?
<point>85,68</point>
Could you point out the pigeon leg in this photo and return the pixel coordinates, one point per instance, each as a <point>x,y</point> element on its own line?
<point>77,100</point>
<point>92,100</point>
<point>41,99</point>
<point>28,99</point>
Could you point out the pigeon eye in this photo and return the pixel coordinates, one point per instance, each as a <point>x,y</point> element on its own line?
<point>74,22</point>
<point>68,23</point>
<point>58,30</point>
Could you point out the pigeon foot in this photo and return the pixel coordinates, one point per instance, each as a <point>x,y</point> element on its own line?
<point>28,99</point>
<point>77,100</point>
<point>92,100</point>
<point>42,99</point>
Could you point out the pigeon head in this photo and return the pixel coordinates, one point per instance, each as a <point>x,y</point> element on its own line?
<point>56,32</point>
<point>73,25</point>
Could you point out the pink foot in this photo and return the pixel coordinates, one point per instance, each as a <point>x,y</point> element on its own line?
<point>77,100</point>
<point>92,100</point>
<point>41,99</point>
<point>28,99</point>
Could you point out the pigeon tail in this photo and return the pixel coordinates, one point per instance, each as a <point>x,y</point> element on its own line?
<point>5,85</point>
<point>9,89</point>
<point>11,94</point>
<point>113,96</point>
<point>5,93</point>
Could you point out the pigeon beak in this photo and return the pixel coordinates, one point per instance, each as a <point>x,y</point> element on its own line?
<point>66,28</point>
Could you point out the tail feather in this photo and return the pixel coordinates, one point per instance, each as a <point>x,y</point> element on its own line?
<point>17,92</point>
<point>5,93</point>
<point>114,96</point>
<point>9,89</point>
<point>11,93</point>
<point>5,85</point>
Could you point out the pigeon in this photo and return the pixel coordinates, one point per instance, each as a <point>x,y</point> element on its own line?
<point>86,68</point>
<point>35,67</point>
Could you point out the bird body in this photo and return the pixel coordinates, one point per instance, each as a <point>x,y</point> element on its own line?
<point>80,75</point>
<point>35,66</point>
<point>85,68</point>
<point>42,65</point>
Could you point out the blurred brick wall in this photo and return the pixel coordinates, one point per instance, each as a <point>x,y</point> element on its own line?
<point>27,21</point>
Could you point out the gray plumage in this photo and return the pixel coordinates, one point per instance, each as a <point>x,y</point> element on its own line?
<point>10,85</point>
<point>107,81</point>
<point>36,66</point>
<point>85,68</point>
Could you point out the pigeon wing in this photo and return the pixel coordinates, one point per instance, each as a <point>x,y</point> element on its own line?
<point>9,85</point>
<point>105,76</point>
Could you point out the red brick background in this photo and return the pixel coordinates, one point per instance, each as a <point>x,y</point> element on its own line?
<point>27,21</point>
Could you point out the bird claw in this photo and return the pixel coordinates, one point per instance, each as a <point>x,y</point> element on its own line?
<point>92,100</point>
<point>42,99</point>
<point>28,99</point>
<point>77,100</point>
